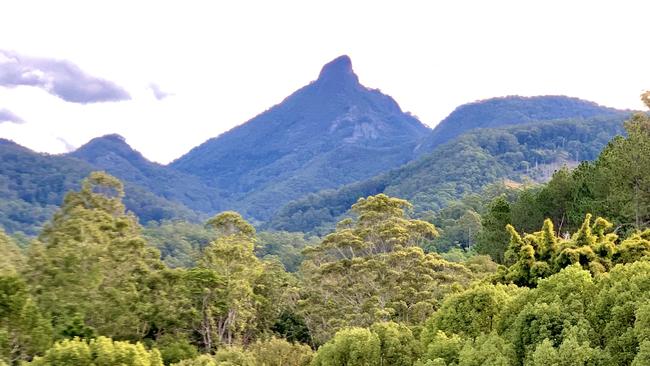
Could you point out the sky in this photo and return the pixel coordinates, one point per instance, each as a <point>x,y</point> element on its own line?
<point>168,75</point>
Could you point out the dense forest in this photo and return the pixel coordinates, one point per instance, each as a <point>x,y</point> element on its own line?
<point>300,165</point>
<point>527,152</point>
<point>531,274</point>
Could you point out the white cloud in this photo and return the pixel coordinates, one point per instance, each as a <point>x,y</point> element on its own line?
<point>228,61</point>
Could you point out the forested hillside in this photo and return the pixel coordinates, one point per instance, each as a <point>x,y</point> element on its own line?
<point>32,186</point>
<point>331,132</point>
<point>463,166</point>
<point>507,111</point>
<point>112,154</point>
<point>558,275</point>
<point>279,168</point>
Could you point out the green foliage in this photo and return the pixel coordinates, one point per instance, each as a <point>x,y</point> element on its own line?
<point>469,313</point>
<point>234,356</point>
<point>33,185</point>
<point>512,110</point>
<point>271,352</point>
<point>329,133</point>
<point>350,347</point>
<point>463,166</point>
<point>594,247</point>
<point>100,351</point>
<point>284,246</point>
<point>397,344</point>
<point>230,223</point>
<point>92,235</point>
<point>175,348</point>
<point>373,269</point>
<point>202,360</point>
<point>279,352</point>
<point>179,242</point>
<point>441,349</point>
<point>570,318</point>
<point>238,295</point>
<point>490,349</point>
<point>570,353</point>
<point>492,240</point>
<point>24,331</point>
<point>615,186</point>
<point>620,310</point>
<point>11,257</point>
<point>291,326</point>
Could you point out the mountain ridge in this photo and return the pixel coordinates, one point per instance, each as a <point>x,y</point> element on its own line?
<point>460,166</point>
<point>330,117</point>
<point>510,110</point>
<point>331,134</point>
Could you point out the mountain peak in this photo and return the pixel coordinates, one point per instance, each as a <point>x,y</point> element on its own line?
<point>338,71</point>
<point>113,137</point>
<point>102,146</point>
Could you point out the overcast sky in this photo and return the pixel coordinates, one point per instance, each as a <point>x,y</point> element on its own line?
<point>169,75</point>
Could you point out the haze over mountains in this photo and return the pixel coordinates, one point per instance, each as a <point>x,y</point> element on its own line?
<point>331,133</point>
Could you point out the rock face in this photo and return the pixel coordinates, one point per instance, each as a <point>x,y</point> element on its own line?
<point>331,132</point>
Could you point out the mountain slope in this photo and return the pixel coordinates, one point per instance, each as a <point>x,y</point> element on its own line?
<point>331,132</point>
<point>506,111</point>
<point>112,154</point>
<point>463,165</point>
<point>32,186</point>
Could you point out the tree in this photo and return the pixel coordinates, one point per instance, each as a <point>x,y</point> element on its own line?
<point>624,165</point>
<point>93,235</point>
<point>470,313</point>
<point>350,347</point>
<point>11,257</point>
<point>620,312</point>
<point>231,223</point>
<point>242,296</point>
<point>24,331</point>
<point>398,346</point>
<point>279,352</point>
<point>100,351</point>
<point>231,258</point>
<point>180,243</point>
<point>493,239</point>
<point>594,247</point>
<point>372,269</point>
<point>284,246</point>
<point>487,349</point>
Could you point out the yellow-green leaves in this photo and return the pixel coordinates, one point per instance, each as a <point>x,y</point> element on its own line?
<point>100,351</point>
<point>231,223</point>
<point>372,269</point>
<point>11,257</point>
<point>593,247</point>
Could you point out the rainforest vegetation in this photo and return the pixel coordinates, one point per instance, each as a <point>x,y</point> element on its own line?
<point>551,274</point>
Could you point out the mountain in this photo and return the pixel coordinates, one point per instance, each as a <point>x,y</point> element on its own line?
<point>507,111</point>
<point>331,132</point>
<point>32,186</point>
<point>464,165</point>
<point>112,154</point>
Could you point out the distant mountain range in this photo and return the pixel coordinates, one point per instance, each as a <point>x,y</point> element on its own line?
<point>507,111</point>
<point>32,186</point>
<point>112,154</point>
<point>463,165</point>
<point>332,133</point>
